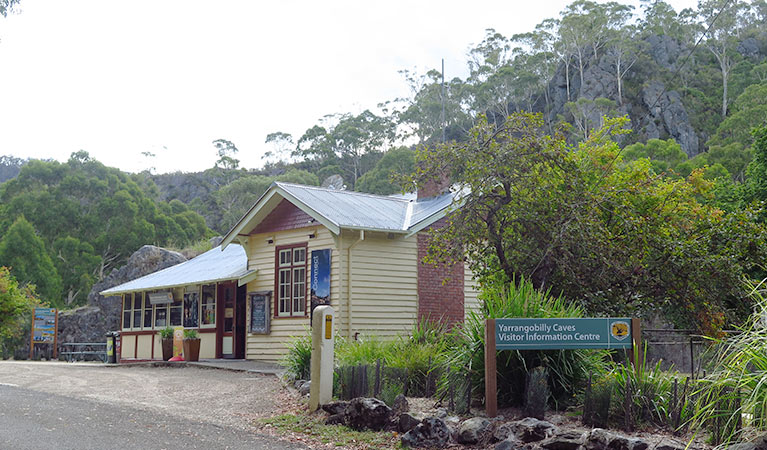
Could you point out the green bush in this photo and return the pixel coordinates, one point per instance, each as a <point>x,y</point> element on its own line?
<point>297,362</point>
<point>166,333</point>
<point>191,334</point>
<point>568,369</point>
<point>732,399</point>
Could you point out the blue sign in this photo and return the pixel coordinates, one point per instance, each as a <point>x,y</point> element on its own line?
<point>320,277</point>
<point>553,334</point>
<point>44,325</point>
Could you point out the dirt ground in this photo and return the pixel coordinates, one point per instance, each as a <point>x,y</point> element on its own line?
<point>220,397</point>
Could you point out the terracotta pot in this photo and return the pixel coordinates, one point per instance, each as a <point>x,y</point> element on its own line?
<point>192,349</point>
<point>167,349</point>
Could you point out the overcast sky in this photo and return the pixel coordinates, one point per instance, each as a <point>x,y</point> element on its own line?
<point>120,78</point>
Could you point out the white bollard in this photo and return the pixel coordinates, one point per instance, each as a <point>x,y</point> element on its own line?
<point>321,389</point>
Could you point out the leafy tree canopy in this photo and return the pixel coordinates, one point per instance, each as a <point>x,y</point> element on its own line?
<point>616,237</point>
<point>16,302</point>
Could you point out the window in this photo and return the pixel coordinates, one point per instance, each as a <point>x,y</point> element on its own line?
<point>291,280</point>
<point>127,310</point>
<point>175,311</point>
<point>160,316</point>
<point>147,311</point>
<point>208,305</point>
<point>191,309</point>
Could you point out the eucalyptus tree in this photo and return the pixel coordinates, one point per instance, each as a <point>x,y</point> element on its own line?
<point>724,20</point>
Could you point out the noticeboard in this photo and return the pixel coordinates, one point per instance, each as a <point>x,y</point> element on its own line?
<point>44,326</point>
<point>259,312</point>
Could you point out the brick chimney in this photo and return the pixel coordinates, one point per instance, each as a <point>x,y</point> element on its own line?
<point>435,187</point>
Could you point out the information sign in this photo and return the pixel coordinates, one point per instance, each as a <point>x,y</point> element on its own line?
<point>44,329</point>
<point>553,334</point>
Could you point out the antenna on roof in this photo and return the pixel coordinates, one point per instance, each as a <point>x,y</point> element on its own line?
<point>443,100</point>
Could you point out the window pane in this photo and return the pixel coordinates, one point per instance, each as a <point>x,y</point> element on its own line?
<point>127,302</point>
<point>285,257</point>
<point>160,316</point>
<point>175,316</point>
<point>191,306</point>
<point>136,318</point>
<point>126,319</point>
<point>209,305</point>
<point>299,256</point>
<point>148,318</point>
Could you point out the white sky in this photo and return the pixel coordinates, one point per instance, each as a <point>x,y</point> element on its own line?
<point>170,76</point>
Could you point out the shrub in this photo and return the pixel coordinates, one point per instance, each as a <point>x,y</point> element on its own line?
<point>166,333</point>
<point>297,361</point>
<point>732,399</point>
<point>191,334</point>
<point>568,369</point>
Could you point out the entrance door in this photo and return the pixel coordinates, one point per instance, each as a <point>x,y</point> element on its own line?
<point>227,295</point>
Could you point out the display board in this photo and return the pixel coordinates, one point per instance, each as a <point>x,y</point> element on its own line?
<point>44,329</point>
<point>260,312</point>
<point>560,334</point>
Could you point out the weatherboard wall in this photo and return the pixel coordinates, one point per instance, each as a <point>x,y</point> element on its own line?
<point>261,256</point>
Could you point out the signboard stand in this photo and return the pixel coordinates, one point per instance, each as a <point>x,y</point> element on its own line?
<point>550,334</point>
<point>45,330</point>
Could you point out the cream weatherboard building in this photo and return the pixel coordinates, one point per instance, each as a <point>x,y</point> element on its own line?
<point>297,247</point>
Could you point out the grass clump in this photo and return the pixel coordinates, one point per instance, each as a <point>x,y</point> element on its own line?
<point>338,435</point>
<point>297,362</point>
<point>568,370</point>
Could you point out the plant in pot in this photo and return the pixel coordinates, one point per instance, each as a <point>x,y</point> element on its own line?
<point>166,337</point>
<point>191,345</point>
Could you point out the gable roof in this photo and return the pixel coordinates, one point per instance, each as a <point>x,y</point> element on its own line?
<point>214,265</point>
<point>336,210</point>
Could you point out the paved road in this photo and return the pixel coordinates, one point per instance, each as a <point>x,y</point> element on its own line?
<point>36,420</point>
<point>55,406</point>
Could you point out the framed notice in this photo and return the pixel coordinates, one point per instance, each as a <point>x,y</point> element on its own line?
<point>44,330</point>
<point>260,312</point>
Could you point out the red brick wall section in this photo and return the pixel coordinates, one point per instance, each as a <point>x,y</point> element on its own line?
<point>438,301</point>
<point>285,216</point>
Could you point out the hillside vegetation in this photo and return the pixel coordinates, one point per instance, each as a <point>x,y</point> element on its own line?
<point>692,83</point>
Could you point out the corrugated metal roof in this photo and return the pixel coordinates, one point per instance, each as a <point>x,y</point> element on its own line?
<point>367,211</point>
<point>213,265</point>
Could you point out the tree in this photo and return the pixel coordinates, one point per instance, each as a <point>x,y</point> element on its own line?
<point>7,6</point>
<point>663,155</point>
<point>722,18</point>
<point>25,253</point>
<point>615,237</point>
<point>16,304</point>
<point>77,263</point>
<point>282,144</point>
<point>226,151</point>
<point>348,141</point>
<point>382,179</point>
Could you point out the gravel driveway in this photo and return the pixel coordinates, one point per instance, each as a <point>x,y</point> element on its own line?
<point>219,397</point>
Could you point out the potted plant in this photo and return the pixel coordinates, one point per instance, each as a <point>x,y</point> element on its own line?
<point>191,345</point>
<point>166,337</point>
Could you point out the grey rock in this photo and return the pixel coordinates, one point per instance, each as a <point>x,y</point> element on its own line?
<point>367,414</point>
<point>297,384</point>
<point>668,444</point>
<point>532,430</point>
<point>441,413</point>
<point>407,422</point>
<point>335,407</point>
<point>667,115</point>
<point>665,50</point>
<point>598,439</point>
<point>431,432</point>
<point>335,419</point>
<point>90,323</point>
<point>749,48</point>
<point>511,444</point>
<point>305,387</point>
<point>504,431</point>
<point>400,405</point>
<point>569,440</point>
<point>215,241</point>
<point>471,431</point>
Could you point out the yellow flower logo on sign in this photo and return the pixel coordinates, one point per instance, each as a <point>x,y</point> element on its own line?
<point>619,330</point>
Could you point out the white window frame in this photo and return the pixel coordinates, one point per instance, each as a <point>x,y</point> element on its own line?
<point>201,311</point>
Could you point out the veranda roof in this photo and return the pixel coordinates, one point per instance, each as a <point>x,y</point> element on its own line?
<point>210,267</point>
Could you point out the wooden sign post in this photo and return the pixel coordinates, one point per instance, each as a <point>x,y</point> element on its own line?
<point>553,334</point>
